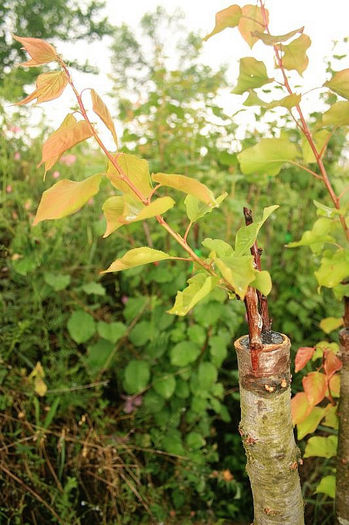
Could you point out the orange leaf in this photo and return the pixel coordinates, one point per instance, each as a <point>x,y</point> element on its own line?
<point>251,20</point>
<point>48,87</point>
<point>228,17</point>
<point>41,52</point>
<point>66,197</point>
<point>300,408</point>
<point>334,385</point>
<point>102,111</point>
<point>70,133</point>
<point>331,363</point>
<point>315,386</point>
<point>303,355</point>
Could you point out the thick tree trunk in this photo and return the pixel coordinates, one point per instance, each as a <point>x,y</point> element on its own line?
<point>342,477</point>
<point>267,432</point>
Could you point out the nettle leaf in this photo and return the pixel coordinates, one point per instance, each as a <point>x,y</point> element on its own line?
<point>81,326</point>
<point>238,271</point>
<point>197,209</point>
<point>311,422</point>
<point>300,408</point>
<point>251,20</point>
<point>246,235</point>
<point>320,139</point>
<point>218,247</point>
<point>184,353</point>
<point>333,269</point>
<point>323,447</point>
<point>294,54</point>
<point>137,375</point>
<point>69,133</point>
<point>339,83</point>
<point>137,257</point>
<point>66,197</point>
<point>119,211</point>
<point>267,157</point>
<point>136,169</point>
<point>317,237</point>
<point>228,17</point>
<point>102,111</point>
<point>330,323</point>
<point>303,356</point>
<point>199,286</point>
<point>315,386</point>
<point>262,282</point>
<point>271,40</point>
<point>252,74</point>
<point>331,363</point>
<point>327,486</point>
<point>40,51</point>
<point>187,185</point>
<point>337,115</point>
<point>48,87</point>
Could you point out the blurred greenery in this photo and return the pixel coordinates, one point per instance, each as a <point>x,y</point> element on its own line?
<point>125,433</point>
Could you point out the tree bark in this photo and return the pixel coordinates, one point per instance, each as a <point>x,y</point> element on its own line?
<point>267,432</point>
<point>342,475</point>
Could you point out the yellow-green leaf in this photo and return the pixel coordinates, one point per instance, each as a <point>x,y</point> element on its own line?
<point>333,269</point>
<point>267,157</point>
<point>330,323</point>
<point>339,83</point>
<point>271,40</point>
<point>320,139</point>
<point>137,257</point>
<point>66,197</point>
<point>311,422</point>
<point>37,375</point>
<point>196,209</point>
<point>102,111</point>
<point>323,447</point>
<point>331,419</point>
<point>136,169</point>
<point>246,235</point>
<point>327,486</point>
<point>252,74</point>
<point>187,185</point>
<point>295,56</point>
<point>199,286</point>
<point>218,247</point>
<point>251,20</point>
<point>48,87</point>
<point>262,282</point>
<point>238,271</point>
<point>287,102</point>
<point>228,17</point>
<point>318,236</point>
<point>337,115</point>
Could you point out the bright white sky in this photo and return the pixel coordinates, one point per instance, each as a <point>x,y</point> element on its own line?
<point>324,22</point>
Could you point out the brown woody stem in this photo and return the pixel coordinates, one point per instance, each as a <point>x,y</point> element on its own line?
<point>254,326</point>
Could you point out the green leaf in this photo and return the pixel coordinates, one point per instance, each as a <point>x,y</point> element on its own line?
<point>199,286</point>
<point>186,185</point>
<point>311,422</point>
<point>228,17</point>
<point>326,211</point>
<point>320,139</point>
<point>196,209</point>
<point>207,375</point>
<point>137,375</point>
<point>172,443</point>
<point>270,40</point>
<point>98,354</point>
<point>66,197</point>
<point>219,247</point>
<point>252,74</point>
<point>262,282</point>
<point>136,169</point>
<point>218,350</point>
<point>238,271</point>
<point>111,331</point>
<point>165,386</point>
<point>153,402</point>
<point>295,56</point>
<point>327,486</point>
<point>93,289</point>
<point>317,237</point>
<point>57,281</point>
<point>246,235</point>
<point>333,269</point>
<point>287,102</point>
<point>339,83</point>
<point>337,115</point>
<point>184,353</point>
<point>119,211</point>
<point>323,447</point>
<point>137,257</point>
<point>194,440</point>
<point>267,157</point>
<point>330,323</point>
<point>141,333</point>
<point>81,326</point>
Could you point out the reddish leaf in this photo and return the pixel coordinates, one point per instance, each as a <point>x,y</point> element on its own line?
<point>303,355</point>
<point>300,408</point>
<point>41,52</point>
<point>331,363</point>
<point>102,111</point>
<point>315,386</point>
<point>48,87</point>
